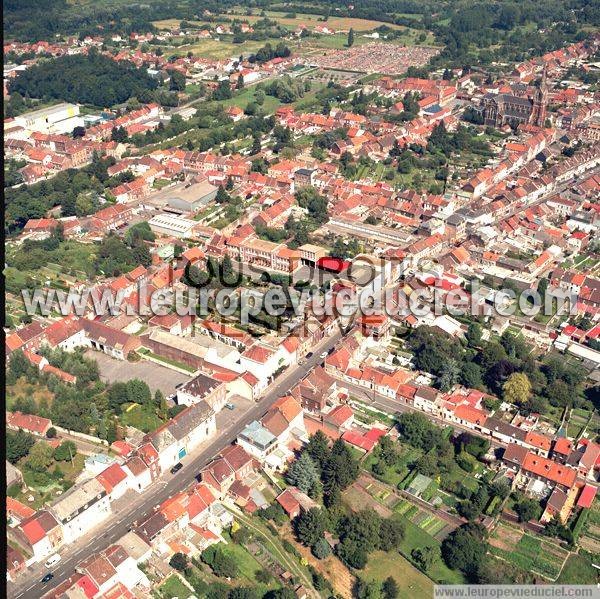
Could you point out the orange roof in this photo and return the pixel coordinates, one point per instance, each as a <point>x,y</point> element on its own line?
<point>111,477</point>
<point>549,469</point>
<point>174,507</point>
<point>563,446</point>
<point>537,440</point>
<point>19,509</point>
<point>288,406</point>
<point>473,415</point>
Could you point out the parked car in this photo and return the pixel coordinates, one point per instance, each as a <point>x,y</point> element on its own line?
<point>48,577</point>
<point>176,468</point>
<point>230,406</point>
<point>309,354</point>
<point>324,355</point>
<point>53,559</point>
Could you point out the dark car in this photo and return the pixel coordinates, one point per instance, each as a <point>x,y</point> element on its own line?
<point>176,468</point>
<point>48,577</point>
<point>309,354</point>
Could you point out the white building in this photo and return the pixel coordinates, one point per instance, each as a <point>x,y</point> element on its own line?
<point>81,509</point>
<point>62,118</point>
<point>182,434</point>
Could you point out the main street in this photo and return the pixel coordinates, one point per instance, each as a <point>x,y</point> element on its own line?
<point>29,586</point>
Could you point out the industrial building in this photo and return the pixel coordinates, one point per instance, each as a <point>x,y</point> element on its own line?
<point>61,119</point>
<point>193,197</point>
<point>171,225</point>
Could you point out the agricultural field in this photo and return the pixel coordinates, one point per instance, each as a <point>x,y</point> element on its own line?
<point>531,554</point>
<point>311,21</point>
<point>589,536</point>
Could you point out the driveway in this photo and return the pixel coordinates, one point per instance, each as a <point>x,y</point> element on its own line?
<point>155,375</point>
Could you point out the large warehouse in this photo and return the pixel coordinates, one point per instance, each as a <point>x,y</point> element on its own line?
<point>169,224</point>
<point>193,197</point>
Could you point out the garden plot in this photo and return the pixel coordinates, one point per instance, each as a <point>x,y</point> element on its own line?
<point>529,553</point>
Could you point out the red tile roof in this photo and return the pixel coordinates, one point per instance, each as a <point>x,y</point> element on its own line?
<point>28,422</point>
<point>111,477</point>
<point>586,499</point>
<point>549,469</point>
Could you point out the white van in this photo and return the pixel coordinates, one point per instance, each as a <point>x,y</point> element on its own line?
<point>53,559</point>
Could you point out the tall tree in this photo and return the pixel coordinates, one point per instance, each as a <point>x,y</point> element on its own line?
<point>304,474</point>
<point>310,526</point>
<point>350,38</point>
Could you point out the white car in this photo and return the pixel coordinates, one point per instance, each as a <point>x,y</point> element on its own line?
<point>53,559</point>
<point>324,355</point>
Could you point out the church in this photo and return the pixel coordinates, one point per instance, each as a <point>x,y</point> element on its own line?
<point>513,110</point>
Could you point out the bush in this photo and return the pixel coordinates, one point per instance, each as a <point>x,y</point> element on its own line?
<point>51,433</point>
<point>290,548</point>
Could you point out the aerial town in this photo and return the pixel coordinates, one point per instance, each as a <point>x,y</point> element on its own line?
<point>301,302</point>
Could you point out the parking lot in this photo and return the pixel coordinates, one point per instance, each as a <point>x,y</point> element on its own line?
<point>155,375</point>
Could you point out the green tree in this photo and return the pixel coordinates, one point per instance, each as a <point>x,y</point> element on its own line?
<point>517,389</point>
<point>391,533</point>
<point>309,526</point>
<point>321,549</point>
<point>318,448</point>
<point>177,80</point>
<point>350,38</point>
<point>426,556</point>
<point>527,509</point>
<point>40,457</point>
<point>341,469</point>
<point>18,445</point>
<point>464,549</point>
<point>179,561</point>
<point>304,474</point>
<point>389,589</point>
<point>65,451</point>
<point>473,335</point>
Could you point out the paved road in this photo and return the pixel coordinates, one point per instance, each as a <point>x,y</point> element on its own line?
<point>29,585</point>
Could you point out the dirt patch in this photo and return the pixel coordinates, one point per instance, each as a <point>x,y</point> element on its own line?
<point>590,544</point>
<point>358,499</point>
<point>500,544</point>
<point>331,567</point>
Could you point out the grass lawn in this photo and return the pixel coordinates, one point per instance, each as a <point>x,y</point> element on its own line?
<point>173,587</point>
<point>217,49</point>
<point>167,361</point>
<point>244,97</point>
<point>411,582</point>
<point>578,569</point>
<point>415,537</point>
<point>140,417</point>
<point>246,563</point>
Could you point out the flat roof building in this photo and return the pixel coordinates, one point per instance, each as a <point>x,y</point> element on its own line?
<point>171,225</point>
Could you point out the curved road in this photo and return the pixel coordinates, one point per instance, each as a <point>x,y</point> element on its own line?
<point>29,585</point>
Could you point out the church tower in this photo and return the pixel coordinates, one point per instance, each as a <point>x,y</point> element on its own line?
<point>540,101</point>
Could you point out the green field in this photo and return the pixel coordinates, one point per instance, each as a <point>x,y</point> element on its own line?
<point>416,538</point>
<point>173,588</point>
<point>578,569</point>
<point>411,582</point>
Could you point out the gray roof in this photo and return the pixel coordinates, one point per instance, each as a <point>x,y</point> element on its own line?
<point>504,428</point>
<point>200,386</point>
<point>189,419</point>
<point>74,501</point>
